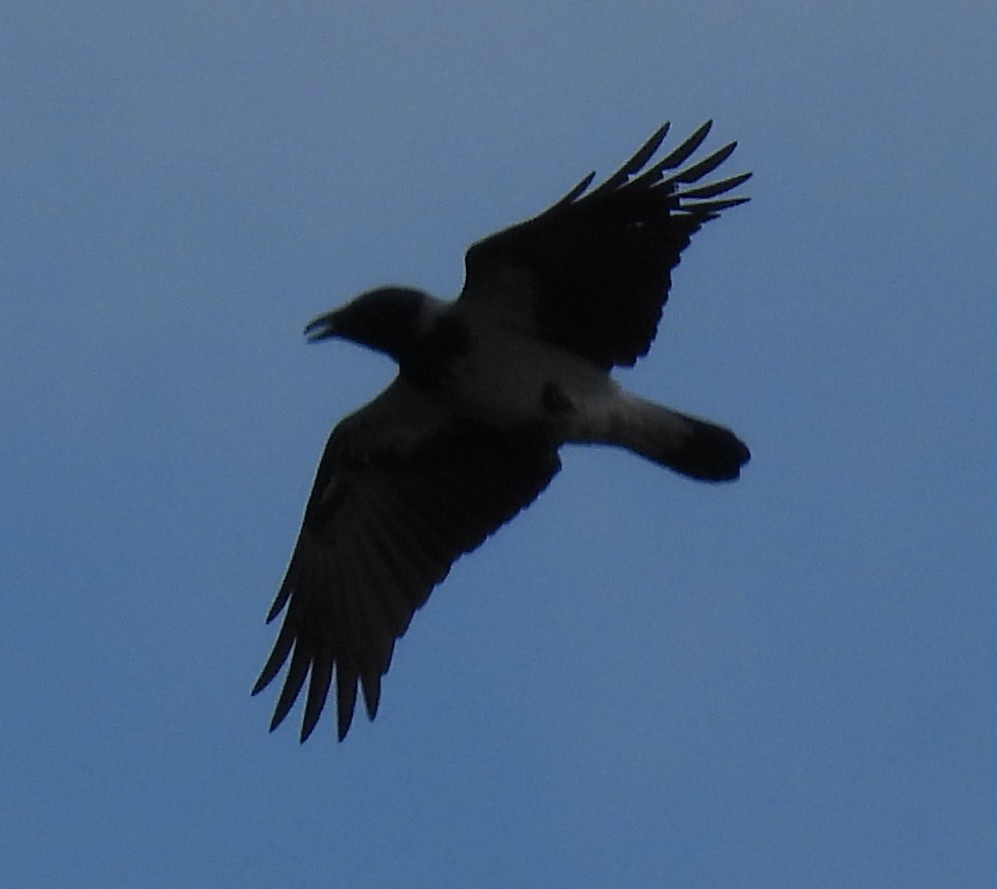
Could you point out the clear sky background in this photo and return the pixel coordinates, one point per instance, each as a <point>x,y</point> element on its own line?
<point>643,681</point>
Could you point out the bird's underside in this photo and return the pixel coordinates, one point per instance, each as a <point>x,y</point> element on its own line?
<point>489,387</point>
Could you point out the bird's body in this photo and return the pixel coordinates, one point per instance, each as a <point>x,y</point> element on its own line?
<point>507,377</point>
<point>489,387</point>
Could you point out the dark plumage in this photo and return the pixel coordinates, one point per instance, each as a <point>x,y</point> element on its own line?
<point>488,388</point>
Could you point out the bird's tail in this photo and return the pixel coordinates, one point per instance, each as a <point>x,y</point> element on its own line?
<point>691,446</point>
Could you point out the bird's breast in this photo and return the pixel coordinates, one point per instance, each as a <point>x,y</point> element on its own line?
<point>507,379</point>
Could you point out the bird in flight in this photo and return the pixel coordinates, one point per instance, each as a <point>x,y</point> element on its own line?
<point>489,387</point>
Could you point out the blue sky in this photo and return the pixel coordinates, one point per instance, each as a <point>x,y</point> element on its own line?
<point>642,681</point>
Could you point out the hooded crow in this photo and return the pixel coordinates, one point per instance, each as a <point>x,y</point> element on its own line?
<point>489,387</point>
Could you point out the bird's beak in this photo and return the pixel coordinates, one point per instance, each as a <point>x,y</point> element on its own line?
<point>321,328</point>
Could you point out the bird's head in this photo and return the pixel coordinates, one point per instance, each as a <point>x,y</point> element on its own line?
<point>387,320</point>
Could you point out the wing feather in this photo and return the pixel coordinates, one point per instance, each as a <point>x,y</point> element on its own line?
<point>295,678</point>
<point>401,492</point>
<point>715,188</point>
<point>705,166</point>
<point>681,154</point>
<point>592,273</point>
<point>636,163</point>
<point>318,691</point>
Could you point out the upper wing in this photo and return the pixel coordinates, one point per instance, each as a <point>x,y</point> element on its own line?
<point>592,273</point>
<point>401,492</point>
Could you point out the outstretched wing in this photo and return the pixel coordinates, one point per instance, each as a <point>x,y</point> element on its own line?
<point>401,492</point>
<point>592,273</point>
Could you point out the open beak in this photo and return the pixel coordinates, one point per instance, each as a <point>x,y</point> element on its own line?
<point>322,328</point>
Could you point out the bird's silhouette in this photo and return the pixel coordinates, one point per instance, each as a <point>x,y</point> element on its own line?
<point>489,386</point>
